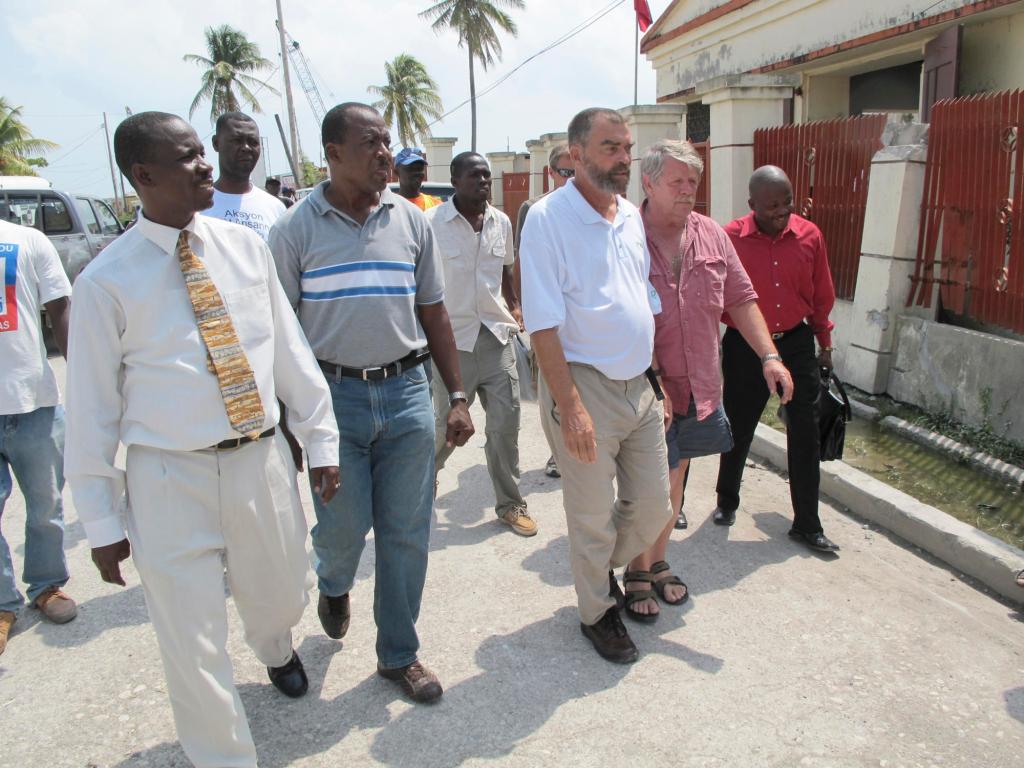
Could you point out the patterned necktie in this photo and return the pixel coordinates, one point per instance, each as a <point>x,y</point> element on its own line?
<point>231,366</point>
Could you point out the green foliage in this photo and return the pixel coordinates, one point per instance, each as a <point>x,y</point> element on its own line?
<point>311,175</point>
<point>17,144</point>
<point>408,99</point>
<point>229,66</point>
<point>475,22</point>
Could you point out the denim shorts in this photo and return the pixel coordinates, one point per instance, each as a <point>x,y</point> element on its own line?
<point>689,438</point>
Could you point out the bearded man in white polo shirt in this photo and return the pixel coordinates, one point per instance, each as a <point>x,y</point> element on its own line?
<point>590,309</point>
<point>475,240</point>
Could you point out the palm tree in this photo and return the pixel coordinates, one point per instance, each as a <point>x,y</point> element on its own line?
<point>17,143</point>
<point>231,60</point>
<point>475,21</point>
<point>408,99</point>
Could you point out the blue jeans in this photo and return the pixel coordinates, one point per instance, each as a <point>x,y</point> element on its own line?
<point>32,444</point>
<point>387,483</point>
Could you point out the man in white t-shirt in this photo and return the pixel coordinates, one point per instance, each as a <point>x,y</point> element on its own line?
<point>235,199</point>
<point>32,421</point>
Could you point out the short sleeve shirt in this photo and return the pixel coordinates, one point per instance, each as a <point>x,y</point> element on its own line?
<point>256,210</point>
<point>356,286</point>
<point>32,275</point>
<point>587,277</point>
<point>474,263</point>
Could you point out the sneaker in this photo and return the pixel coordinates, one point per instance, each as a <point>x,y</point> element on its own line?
<point>7,619</point>
<point>610,638</point>
<point>520,521</point>
<point>551,470</point>
<point>418,682</point>
<point>56,606</point>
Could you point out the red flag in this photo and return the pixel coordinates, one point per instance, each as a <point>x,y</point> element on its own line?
<point>643,14</point>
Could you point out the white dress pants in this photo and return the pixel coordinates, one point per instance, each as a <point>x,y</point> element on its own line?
<point>186,511</point>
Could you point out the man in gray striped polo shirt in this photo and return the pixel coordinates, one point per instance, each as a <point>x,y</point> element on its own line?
<point>361,268</point>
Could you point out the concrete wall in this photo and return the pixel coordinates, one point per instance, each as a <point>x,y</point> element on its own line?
<point>974,377</point>
<point>992,55</point>
<point>827,97</point>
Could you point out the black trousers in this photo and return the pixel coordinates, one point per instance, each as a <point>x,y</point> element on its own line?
<point>745,396</point>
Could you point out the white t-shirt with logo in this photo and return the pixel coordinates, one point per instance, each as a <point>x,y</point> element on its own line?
<point>32,275</point>
<point>256,209</point>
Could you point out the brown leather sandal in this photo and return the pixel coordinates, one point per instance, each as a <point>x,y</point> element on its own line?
<point>634,596</point>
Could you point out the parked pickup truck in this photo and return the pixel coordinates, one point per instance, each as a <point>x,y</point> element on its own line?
<point>79,226</point>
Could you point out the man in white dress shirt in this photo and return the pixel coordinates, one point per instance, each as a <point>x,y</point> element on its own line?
<point>589,309</point>
<point>475,239</point>
<point>196,487</point>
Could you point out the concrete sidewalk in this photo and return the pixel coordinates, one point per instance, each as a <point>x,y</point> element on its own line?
<point>782,658</point>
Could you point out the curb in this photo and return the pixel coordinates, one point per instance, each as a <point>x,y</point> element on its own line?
<point>961,546</point>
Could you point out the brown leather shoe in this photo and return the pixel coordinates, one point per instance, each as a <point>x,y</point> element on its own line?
<point>418,682</point>
<point>520,521</point>
<point>7,619</point>
<point>610,639</point>
<point>56,606</point>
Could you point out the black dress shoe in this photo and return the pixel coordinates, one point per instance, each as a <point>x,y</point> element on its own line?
<point>818,541</point>
<point>290,679</point>
<point>610,638</point>
<point>681,522</point>
<point>724,516</point>
<point>334,613</point>
<point>614,590</point>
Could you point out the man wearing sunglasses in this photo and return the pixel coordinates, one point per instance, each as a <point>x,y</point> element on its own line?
<point>559,170</point>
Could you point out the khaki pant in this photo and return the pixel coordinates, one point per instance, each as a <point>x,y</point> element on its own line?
<point>606,532</point>
<point>186,509</point>
<point>490,372</point>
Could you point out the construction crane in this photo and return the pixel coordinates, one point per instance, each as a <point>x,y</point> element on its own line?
<point>306,80</point>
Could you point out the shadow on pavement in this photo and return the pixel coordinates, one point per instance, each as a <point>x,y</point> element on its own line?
<point>708,561</point>
<point>551,563</point>
<point>124,608</point>
<point>1015,703</point>
<point>527,675</point>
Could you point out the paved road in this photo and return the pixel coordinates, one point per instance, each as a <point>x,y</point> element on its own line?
<point>782,658</point>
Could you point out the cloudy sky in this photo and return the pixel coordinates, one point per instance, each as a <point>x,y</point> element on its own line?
<point>67,63</point>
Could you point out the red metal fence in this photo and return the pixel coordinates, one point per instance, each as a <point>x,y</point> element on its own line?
<point>829,163</point>
<point>515,189</point>
<point>972,212</point>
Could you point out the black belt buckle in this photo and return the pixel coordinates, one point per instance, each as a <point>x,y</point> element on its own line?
<point>367,371</point>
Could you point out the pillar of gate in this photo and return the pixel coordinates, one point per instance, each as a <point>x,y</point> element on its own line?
<point>501,163</point>
<point>649,123</point>
<point>439,157</point>
<point>739,105</point>
<point>888,252</point>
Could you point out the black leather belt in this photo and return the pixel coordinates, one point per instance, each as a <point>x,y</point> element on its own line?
<point>784,334</point>
<point>235,442</point>
<point>376,373</point>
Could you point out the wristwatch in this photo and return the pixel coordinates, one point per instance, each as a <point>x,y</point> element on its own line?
<point>453,396</point>
<point>771,356</point>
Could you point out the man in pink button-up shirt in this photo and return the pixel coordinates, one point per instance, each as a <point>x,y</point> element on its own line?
<point>698,276</point>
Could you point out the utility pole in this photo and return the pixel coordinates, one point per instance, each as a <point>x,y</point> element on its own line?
<point>292,125</point>
<point>110,157</point>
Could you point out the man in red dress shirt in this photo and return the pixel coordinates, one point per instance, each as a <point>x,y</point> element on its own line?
<point>784,256</point>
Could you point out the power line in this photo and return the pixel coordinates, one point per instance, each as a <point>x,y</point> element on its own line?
<point>77,146</point>
<point>590,21</point>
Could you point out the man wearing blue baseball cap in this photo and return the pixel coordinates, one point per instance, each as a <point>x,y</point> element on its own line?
<point>411,165</point>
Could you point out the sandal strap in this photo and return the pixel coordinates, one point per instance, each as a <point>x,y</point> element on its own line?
<point>645,576</point>
<point>660,567</point>
<point>640,594</point>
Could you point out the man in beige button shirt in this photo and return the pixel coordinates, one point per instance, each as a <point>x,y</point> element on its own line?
<point>475,240</point>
